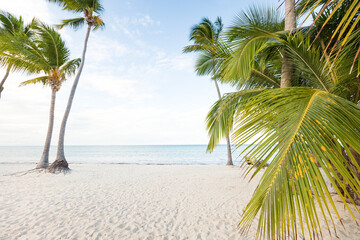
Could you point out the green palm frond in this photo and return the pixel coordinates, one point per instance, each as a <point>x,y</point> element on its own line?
<point>69,68</point>
<point>205,36</point>
<point>42,79</point>
<point>312,127</point>
<point>44,51</point>
<point>220,118</point>
<point>204,64</point>
<point>87,7</point>
<point>193,48</point>
<point>268,19</point>
<point>242,60</point>
<point>78,6</point>
<point>11,24</point>
<point>51,45</point>
<point>99,23</point>
<point>74,23</point>
<point>250,34</point>
<point>261,79</point>
<point>309,62</point>
<point>212,50</point>
<point>344,13</point>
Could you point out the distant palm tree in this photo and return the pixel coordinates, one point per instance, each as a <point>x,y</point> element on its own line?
<point>44,53</point>
<point>13,26</point>
<point>88,8</point>
<point>206,37</point>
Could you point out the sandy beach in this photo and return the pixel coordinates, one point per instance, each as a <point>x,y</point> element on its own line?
<point>109,201</point>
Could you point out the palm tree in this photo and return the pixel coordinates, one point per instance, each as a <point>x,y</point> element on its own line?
<point>206,37</point>
<point>11,25</point>
<point>314,123</point>
<point>44,53</point>
<point>89,8</point>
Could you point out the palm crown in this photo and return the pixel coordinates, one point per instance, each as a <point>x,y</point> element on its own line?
<point>11,28</point>
<point>9,24</point>
<point>45,52</point>
<point>88,7</point>
<point>206,36</point>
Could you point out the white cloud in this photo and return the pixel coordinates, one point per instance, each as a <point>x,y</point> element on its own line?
<point>165,62</point>
<point>111,84</point>
<point>102,48</point>
<point>28,9</point>
<point>131,26</point>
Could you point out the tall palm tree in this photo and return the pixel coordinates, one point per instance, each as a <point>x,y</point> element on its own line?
<point>312,124</point>
<point>44,53</point>
<point>206,37</point>
<point>13,26</point>
<point>89,8</point>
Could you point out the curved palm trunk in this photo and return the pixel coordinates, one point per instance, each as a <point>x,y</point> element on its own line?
<point>60,163</point>
<point>44,161</point>
<point>4,79</point>
<point>229,154</point>
<point>290,24</point>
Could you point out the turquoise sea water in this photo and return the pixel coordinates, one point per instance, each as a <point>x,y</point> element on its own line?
<point>156,154</point>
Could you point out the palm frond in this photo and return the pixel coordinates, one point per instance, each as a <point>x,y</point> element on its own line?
<point>80,5</point>
<point>74,23</point>
<point>99,23</point>
<point>69,68</point>
<point>42,79</point>
<point>220,118</point>
<point>346,15</point>
<point>297,133</point>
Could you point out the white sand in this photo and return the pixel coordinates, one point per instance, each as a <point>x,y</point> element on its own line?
<point>129,202</point>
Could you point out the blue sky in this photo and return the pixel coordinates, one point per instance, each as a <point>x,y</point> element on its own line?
<point>136,88</point>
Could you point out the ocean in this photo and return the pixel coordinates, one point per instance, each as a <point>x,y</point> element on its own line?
<point>144,154</point>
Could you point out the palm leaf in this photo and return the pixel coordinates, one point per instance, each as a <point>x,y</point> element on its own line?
<point>74,23</point>
<point>69,68</point>
<point>42,79</point>
<point>220,118</point>
<point>298,128</point>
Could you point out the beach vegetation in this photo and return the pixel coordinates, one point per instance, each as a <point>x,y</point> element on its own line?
<point>91,10</point>
<point>207,43</point>
<point>45,54</point>
<point>303,119</point>
<point>11,27</point>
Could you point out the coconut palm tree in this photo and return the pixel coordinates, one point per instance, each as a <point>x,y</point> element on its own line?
<point>45,53</point>
<point>89,8</point>
<point>206,37</point>
<point>296,130</point>
<point>13,26</point>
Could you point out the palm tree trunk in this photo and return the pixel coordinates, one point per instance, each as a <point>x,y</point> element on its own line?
<point>4,79</point>
<point>229,154</point>
<point>44,161</point>
<point>290,24</point>
<point>60,163</point>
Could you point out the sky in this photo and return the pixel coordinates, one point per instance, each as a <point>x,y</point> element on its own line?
<point>137,88</point>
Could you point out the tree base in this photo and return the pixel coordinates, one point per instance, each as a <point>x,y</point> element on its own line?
<point>42,166</point>
<point>59,166</point>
